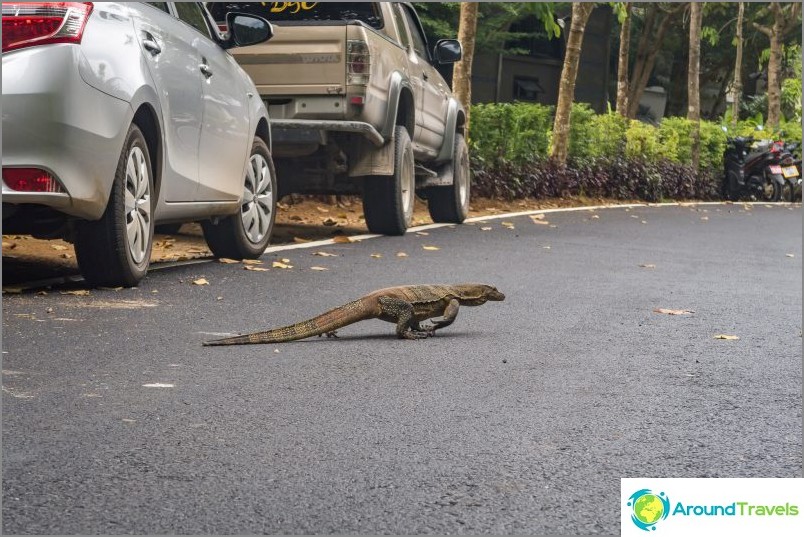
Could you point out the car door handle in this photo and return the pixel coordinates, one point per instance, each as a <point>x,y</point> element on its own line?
<point>150,44</point>
<point>207,72</point>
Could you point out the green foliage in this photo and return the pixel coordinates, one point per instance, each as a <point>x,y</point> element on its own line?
<point>509,132</point>
<point>581,135</point>
<point>675,136</point>
<point>642,141</point>
<point>791,98</point>
<point>607,138</point>
<point>713,144</point>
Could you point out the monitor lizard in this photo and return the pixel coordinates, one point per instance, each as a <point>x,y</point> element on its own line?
<point>405,306</point>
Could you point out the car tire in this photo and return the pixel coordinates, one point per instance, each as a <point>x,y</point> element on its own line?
<point>388,200</point>
<point>246,234</point>
<point>116,250</point>
<point>450,204</point>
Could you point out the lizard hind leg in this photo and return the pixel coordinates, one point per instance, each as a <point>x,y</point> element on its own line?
<point>402,312</point>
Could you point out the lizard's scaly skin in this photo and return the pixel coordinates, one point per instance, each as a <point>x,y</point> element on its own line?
<point>405,306</point>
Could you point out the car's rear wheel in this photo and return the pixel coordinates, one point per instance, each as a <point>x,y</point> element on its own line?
<point>388,200</point>
<point>451,203</point>
<point>246,234</point>
<point>116,250</point>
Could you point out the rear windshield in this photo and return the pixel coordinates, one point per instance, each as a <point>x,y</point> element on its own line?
<point>302,12</point>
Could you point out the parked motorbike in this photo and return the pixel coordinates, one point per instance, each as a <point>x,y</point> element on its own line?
<point>756,169</point>
<point>791,170</point>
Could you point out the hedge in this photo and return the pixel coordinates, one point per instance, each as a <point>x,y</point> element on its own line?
<point>609,155</point>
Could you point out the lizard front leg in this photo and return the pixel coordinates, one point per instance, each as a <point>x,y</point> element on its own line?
<point>401,312</point>
<point>449,316</point>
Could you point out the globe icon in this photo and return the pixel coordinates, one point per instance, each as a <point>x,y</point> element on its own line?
<point>648,509</point>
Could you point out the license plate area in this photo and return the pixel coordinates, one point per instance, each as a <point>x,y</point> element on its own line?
<point>790,171</point>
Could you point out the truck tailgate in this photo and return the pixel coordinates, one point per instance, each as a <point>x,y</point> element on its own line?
<point>311,58</point>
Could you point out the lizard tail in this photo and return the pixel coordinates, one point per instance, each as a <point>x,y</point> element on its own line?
<point>326,322</point>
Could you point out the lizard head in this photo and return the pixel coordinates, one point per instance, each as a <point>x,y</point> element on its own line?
<point>477,294</point>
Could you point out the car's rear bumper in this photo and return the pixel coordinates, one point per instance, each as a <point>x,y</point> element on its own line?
<point>53,120</point>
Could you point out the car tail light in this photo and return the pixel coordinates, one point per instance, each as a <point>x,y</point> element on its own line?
<point>26,24</point>
<point>358,63</point>
<point>30,180</point>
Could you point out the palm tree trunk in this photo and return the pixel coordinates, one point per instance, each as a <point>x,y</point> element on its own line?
<point>693,80</point>
<point>569,72</point>
<point>737,87</point>
<point>622,64</point>
<point>462,75</point>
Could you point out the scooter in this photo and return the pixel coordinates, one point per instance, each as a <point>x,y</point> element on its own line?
<point>753,169</point>
<point>791,170</point>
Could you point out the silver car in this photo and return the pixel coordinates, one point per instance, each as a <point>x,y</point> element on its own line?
<point>121,116</point>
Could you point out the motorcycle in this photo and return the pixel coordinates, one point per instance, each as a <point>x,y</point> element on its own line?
<point>791,170</point>
<point>755,169</point>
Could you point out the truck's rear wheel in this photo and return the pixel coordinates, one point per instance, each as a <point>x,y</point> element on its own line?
<point>451,203</point>
<point>388,200</point>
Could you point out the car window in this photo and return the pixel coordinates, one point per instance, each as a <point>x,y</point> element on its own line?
<point>419,42</point>
<point>302,12</point>
<point>193,14</point>
<point>400,23</point>
<point>159,5</point>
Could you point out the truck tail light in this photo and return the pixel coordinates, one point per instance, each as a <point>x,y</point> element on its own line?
<point>26,24</point>
<point>358,63</point>
<point>31,180</point>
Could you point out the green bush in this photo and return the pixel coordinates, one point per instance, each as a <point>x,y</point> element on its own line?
<point>608,135</point>
<point>642,141</point>
<point>509,132</point>
<point>582,130</point>
<point>713,144</point>
<point>675,136</point>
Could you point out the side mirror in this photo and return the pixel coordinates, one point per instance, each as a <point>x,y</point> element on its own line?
<point>247,30</point>
<point>448,51</point>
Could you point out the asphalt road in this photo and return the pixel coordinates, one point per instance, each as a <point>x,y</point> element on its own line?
<point>520,418</point>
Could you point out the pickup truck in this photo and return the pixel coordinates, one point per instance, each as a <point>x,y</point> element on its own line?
<point>358,107</point>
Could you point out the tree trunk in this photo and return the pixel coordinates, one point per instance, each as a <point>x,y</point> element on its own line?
<point>643,69</point>
<point>737,87</point>
<point>784,20</point>
<point>569,72</point>
<point>694,80</point>
<point>462,75</point>
<point>622,64</point>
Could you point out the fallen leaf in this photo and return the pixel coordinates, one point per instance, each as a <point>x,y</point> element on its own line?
<point>647,265</point>
<point>537,217</point>
<point>634,216</point>
<point>58,247</point>
<point>485,228</point>
<point>322,210</point>
<point>279,264</point>
<point>422,233</point>
<point>66,256</point>
<point>49,310</point>
<point>401,254</point>
<point>158,385</point>
<point>704,218</point>
<point>301,240</point>
<point>724,336</point>
<point>41,293</point>
<point>546,247</point>
<point>673,312</point>
<point>255,269</point>
<point>295,217</point>
<point>644,221</point>
<point>227,261</point>
<point>111,288</point>
<point>76,292</point>
<point>319,268</point>
<point>218,298</point>
<point>790,255</point>
<point>324,254</point>
<point>329,222</point>
<point>200,281</point>
<point>251,262</point>
<point>285,260</point>
<point>595,216</point>
<point>376,256</point>
<point>341,239</point>
<point>431,248</point>
<point>552,225</point>
<point>509,225</point>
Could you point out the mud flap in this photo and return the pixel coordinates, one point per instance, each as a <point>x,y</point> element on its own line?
<point>366,158</point>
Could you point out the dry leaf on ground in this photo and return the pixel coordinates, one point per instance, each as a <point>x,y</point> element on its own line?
<point>76,292</point>
<point>789,255</point>
<point>422,233</point>
<point>255,269</point>
<point>673,312</point>
<point>200,281</point>
<point>647,265</point>
<point>251,262</point>
<point>280,264</point>
<point>509,225</point>
<point>376,256</point>
<point>341,239</point>
<point>725,336</point>
<point>301,240</point>
<point>485,228</point>
<point>319,268</point>
<point>431,248</point>
<point>226,260</point>
<point>329,222</point>
<point>401,254</point>
<point>324,254</point>
<point>595,216</point>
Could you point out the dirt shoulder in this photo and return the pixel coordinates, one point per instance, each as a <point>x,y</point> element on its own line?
<point>298,220</point>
